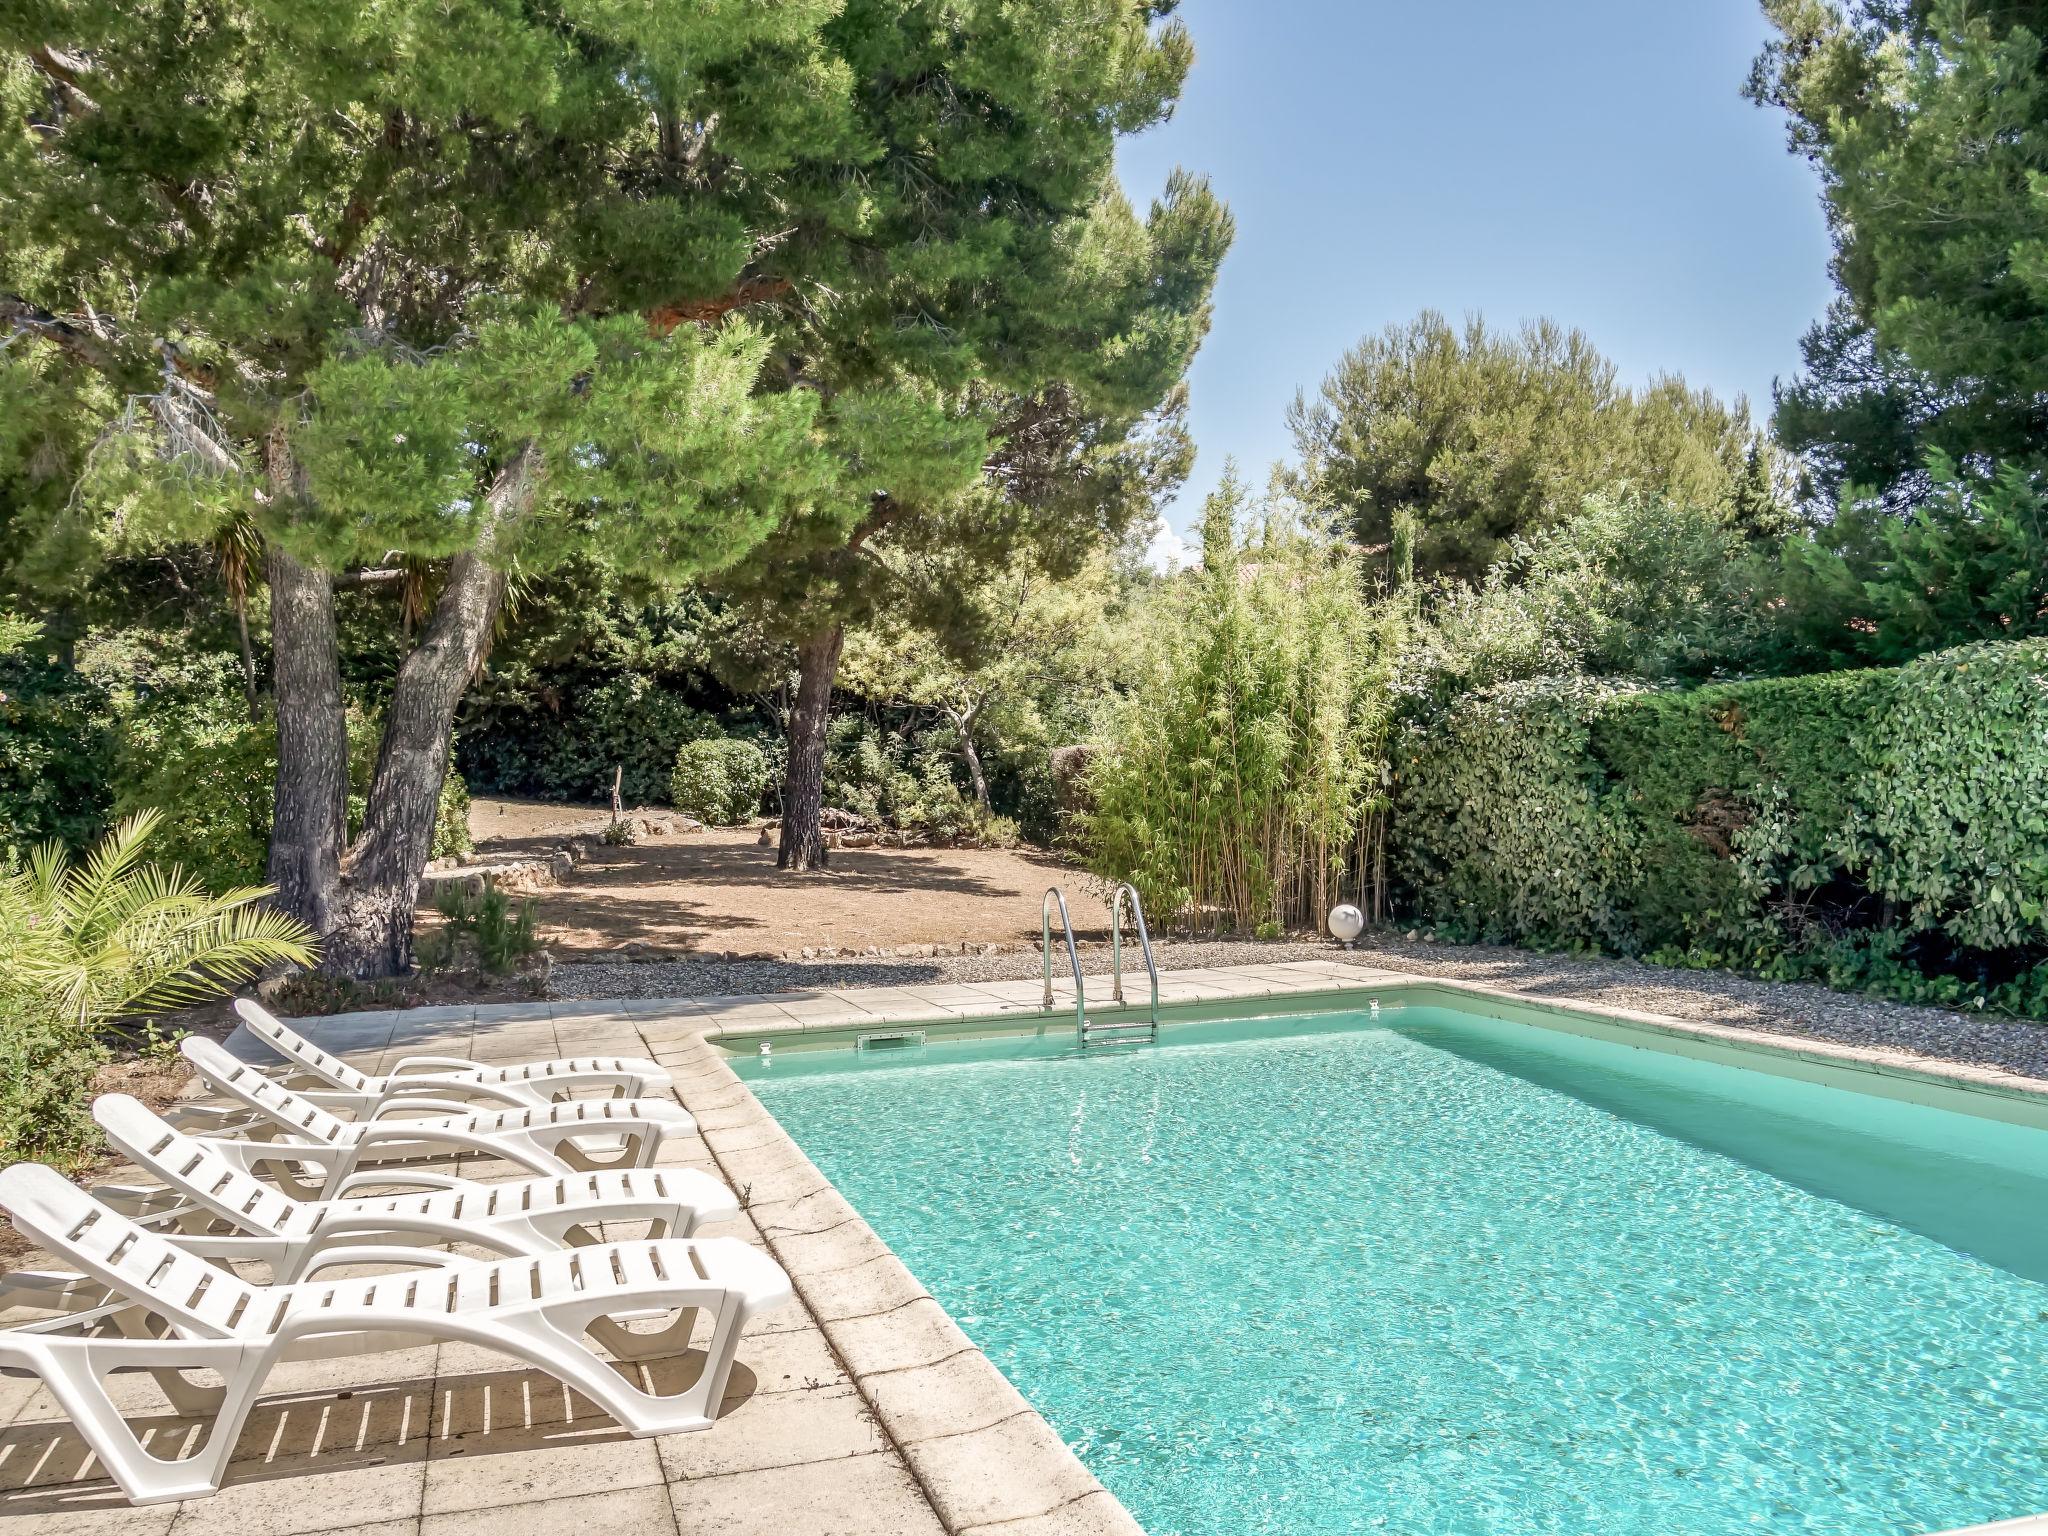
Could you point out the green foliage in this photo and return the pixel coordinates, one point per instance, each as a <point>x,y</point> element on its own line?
<point>480,920</point>
<point>1241,776</point>
<point>1625,588</point>
<point>1880,829</point>
<point>630,721</point>
<point>1928,123</point>
<point>1873,588</point>
<point>212,775</point>
<point>117,936</point>
<point>84,945</point>
<point>46,1073</point>
<point>16,633</point>
<point>1482,438</point>
<point>719,781</point>
<point>56,741</point>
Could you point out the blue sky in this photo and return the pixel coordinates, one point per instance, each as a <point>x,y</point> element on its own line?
<point>1589,160</point>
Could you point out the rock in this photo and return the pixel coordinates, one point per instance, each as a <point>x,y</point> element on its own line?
<point>274,980</point>
<point>857,840</point>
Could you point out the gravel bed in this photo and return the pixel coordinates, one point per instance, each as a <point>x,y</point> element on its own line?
<point>1716,997</point>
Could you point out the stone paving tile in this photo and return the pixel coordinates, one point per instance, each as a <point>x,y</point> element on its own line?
<point>291,1497</point>
<point>1011,1470</point>
<point>1093,1514</point>
<point>622,1512</point>
<point>776,1429</point>
<point>957,1395</point>
<point>872,1495</point>
<point>495,1470</point>
<point>97,1512</point>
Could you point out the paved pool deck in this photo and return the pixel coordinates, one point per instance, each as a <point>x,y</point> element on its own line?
<point>861,1410</point>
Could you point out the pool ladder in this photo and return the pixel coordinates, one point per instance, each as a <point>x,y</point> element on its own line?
<point>1089,1031</point>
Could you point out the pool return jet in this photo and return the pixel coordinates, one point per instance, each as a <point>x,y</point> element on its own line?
<point>1092,1032</point>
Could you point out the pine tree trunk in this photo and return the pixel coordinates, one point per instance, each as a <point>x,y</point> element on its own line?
<point>372,930</point>
<point>310,819</point>
<point>803,795</point>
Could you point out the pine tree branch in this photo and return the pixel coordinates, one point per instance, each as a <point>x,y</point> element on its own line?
<point>24,317</point>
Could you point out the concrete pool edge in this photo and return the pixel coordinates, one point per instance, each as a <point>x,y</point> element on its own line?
<point>1016,1008</point>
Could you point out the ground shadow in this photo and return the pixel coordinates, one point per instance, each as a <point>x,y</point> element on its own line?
<point>46,1468</point>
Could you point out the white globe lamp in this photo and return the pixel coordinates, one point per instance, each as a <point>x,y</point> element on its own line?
<point>1346,923</point>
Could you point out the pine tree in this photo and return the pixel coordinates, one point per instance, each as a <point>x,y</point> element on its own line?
<point>1928,123</point>
<point>1009,380</point>
<point>441,282</point>
<point>1483,437</point>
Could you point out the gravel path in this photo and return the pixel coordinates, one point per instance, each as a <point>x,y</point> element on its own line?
<point>2012,1045</point>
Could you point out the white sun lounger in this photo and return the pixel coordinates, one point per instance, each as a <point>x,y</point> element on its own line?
<point>580,1136</point>
<point>534,1085</point>
<point>226,1214</point>
<point>171,1312</point>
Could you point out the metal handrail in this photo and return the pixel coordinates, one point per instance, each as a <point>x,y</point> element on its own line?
<point>1073,955</point>
<point>1116,945</point>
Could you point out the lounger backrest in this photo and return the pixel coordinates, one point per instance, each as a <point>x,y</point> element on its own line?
<point>296,1048</point>
<point>274,1101</point>
<point>129,1260</point>
<point>190,1166</point>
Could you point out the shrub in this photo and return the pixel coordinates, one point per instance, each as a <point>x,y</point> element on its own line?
<point>860,761</point>
<point>1878,829</point>
<point>718,780</point>
<point>56,747</point>
<point>569,753</point>
<point>213,777</point>
<point>82,946</point>
<point>451,819</point>
<point>481,921</point>
<point>46,1073</point>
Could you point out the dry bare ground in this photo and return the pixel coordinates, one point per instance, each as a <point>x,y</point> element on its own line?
<point>718,891</point>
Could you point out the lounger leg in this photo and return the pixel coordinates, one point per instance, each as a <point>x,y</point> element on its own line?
<point>720,1350</point>
<point>189,1398</point>
<point>74,1375</point>
<point>624,1344</point>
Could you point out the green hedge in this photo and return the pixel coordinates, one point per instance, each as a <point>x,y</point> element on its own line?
<point>1880,829</point>
<point>565,745</point>
<point>214,777</point>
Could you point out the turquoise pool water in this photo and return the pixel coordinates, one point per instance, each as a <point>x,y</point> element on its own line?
<point>1447,1274</point>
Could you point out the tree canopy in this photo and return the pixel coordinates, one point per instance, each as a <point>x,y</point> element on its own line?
<point>1928,123</point>
<point>1483,437</point>
<point>474,289</point>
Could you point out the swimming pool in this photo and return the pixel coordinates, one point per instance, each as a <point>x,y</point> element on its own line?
<point>1445,1273</point>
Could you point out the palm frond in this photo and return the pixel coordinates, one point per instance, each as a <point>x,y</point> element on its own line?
<point>120,936</point>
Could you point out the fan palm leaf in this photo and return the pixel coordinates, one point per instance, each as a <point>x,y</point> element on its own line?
<point>115,935</point>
